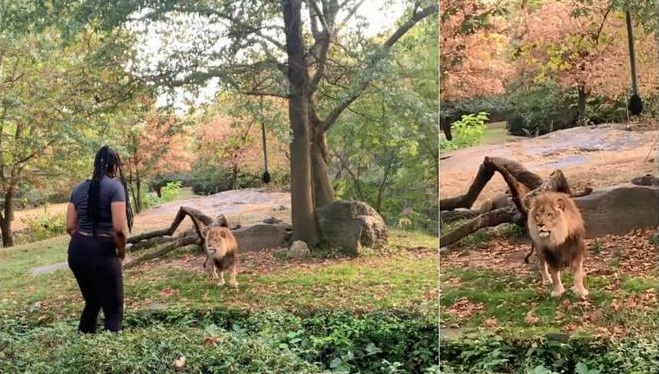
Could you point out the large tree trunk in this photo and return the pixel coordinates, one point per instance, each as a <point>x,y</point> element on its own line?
<point>305,225</point>
<point>323,190</point>
<point>581,106</point>
<point>5,220</point>
<point>234,177</point>
<point>138,185</point>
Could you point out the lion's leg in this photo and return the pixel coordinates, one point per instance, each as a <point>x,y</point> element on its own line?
<point>577,270</point>
<point>542,267</point>
<point>221,282</point>
<point>556,279</point>
<point>544,271</point>
<point>232,276</point>
<point>214,269</point>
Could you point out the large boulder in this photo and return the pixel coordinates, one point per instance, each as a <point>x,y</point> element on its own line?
<point>262,236</point>
<point>348,225</point>
<point>619,209</point>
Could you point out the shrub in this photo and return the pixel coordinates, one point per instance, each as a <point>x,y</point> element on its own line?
<point>494,354</point>
<point>264,341</point>
<point>170,191</point>
<point>468,131</point>
<point>541,109</point>
<point>153,349</point>
<point>43,226</point>
<point>207,179</point>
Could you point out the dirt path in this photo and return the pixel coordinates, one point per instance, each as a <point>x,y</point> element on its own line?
<point>595,156</point>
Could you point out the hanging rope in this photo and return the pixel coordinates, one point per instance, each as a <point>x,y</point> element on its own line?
<point>266,176</point>
<point>635,103</point>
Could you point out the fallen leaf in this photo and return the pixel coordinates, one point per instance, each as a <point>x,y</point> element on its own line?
<point>531,318</point>
<point>180,362</point>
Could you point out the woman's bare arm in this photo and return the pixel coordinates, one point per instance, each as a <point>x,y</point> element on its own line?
<point>71,219</point>
<point>120,226</point>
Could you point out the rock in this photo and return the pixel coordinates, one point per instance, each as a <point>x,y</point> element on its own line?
<point>299,249</point>
<point>646,180</point>
<point>275,221</point>
<point>280,207</point>
<point>619,209</point>
<point>348,225</point>
<point>272,220</point>
<point>261,236</point>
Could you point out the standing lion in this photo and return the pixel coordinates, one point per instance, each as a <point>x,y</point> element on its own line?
<point>557,230</point>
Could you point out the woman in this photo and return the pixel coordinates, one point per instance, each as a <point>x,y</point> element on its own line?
<point>98,219</point>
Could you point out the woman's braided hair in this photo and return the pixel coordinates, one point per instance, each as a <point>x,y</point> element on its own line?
<point>106,162</point>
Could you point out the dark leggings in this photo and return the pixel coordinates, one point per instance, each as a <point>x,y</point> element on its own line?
<point>97,269</point>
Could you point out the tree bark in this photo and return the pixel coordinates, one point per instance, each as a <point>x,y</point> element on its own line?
<point>513,173</point>
<point>305,224</point>
<point>138,186</point>
<point>180,242</point>
<point>6,218</point>
<point>493,218</point>
<point>581,106</point>
<point>323,189</point>
<point>180,216</point>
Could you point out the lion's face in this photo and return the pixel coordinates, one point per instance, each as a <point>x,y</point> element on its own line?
<point>217,242</point>
<point>547,221</point>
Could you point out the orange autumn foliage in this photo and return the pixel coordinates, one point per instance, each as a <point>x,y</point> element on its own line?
<point>589,50</point>
<point>237,143</point>
<point>472,62</point>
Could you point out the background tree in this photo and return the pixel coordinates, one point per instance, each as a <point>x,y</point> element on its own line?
<point>264,48</point>
<point>153,142</point>
<point>385,147</point>
<point>582,46</point>
<point>51,91</point>
<point>473,60</point>
<point>229,137</point>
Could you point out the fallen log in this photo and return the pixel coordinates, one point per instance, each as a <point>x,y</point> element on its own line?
<point>492,218</point>
<point>180,242</point>
<point>180,216</point>
<point>513,172</point>
<point>448,216</point>
<point>521,183</point>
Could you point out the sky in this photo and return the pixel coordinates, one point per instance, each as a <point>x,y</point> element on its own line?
<point>380,17</point>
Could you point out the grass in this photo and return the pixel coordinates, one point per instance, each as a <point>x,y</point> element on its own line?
<point>404,277</point>
<point>472,298</point>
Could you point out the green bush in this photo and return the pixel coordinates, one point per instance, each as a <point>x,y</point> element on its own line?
<point>541,109</point>
<point>499,108</point>
<point>153,349</point>
<point>264,341</point>
<point>170,191</point>
<point>43,226</point>
<point>468,131</point>
<point>208,179</point>
<point>494,354</point>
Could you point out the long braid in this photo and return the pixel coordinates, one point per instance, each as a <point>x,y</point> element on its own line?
<point>94,192</point>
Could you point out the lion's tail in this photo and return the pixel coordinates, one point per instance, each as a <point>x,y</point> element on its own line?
<point>526,259</point>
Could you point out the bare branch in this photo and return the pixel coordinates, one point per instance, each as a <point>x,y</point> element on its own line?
<point>404,28</point>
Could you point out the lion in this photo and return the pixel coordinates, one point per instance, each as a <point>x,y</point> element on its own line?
<point>221,248</point>
<point>557,231</point>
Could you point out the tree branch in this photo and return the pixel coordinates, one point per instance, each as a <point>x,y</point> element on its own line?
<point>404,28</point>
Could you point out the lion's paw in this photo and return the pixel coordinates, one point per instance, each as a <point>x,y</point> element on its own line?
<point>557,293</point>
<point>581,293</point>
